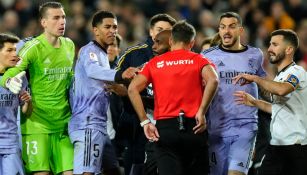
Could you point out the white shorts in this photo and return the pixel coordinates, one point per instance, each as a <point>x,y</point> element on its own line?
<point>11,164</point>
<point>231,153</point>
<point>91,147</point>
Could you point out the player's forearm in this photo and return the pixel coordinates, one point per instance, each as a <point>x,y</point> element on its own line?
<point>100,73</point>
<point>27,108</point>
<point>263,105</point>
<point>137,103</point>
<point>277,88</point>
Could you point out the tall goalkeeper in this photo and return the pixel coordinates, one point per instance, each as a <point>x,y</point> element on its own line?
<point>48,60</point>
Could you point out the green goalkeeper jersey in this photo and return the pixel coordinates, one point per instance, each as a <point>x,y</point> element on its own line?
<point>50,72</point>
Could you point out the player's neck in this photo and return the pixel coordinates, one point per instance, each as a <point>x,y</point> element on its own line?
<point>235,47</point>
<point>2,69</point>
<point>53,40</point>
<point>180,46</point>
<point>283,64</point>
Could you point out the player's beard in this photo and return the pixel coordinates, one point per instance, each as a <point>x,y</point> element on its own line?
<point>231,44</point>
<point>278,57</point>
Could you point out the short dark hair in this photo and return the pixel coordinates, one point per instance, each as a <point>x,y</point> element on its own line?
<point>7,38</point>
<point>231,15</point>
<point>161,17</point>
<point>289,36</point>
<point>183,32</point>
<point>100,15</point>
<point>44,7</point>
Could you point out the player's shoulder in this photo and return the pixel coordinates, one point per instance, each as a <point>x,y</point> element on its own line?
<point>136,48</point>
<point>210,50</point>
<point>67,41</point>
<point>253,49</point>
<point>297,68</point>
<point>89,47</point>
<point>28,44</point>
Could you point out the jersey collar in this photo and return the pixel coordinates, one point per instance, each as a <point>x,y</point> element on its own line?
<point>98,45</point>
<point>233,51</point>
<point>285,68</point>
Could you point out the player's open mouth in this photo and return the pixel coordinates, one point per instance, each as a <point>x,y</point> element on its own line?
<point>227,37</point>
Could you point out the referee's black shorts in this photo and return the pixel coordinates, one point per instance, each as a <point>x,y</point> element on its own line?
<point>181,152</point>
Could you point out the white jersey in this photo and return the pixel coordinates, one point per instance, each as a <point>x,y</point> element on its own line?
<point>289,113</point>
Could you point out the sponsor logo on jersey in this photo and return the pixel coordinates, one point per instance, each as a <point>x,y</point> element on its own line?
<point>161,64</point>
<point>58,73</point>
<point>6,100</point>
<point>47,61</point>
<point>228,75</point>
<point>220,64</point>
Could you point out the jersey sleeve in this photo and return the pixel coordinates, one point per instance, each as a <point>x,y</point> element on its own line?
<point>96,65</point>
<point>297,78</point>
<point>26,55</point>
<point>205,61</point>
<point>146,71</point>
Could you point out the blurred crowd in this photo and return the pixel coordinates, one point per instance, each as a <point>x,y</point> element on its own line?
<point>260,18</point>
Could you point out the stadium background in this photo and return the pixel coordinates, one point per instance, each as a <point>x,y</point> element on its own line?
<point>260,18</point>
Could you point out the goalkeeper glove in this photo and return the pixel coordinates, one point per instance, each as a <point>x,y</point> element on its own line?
<point>14,84</point>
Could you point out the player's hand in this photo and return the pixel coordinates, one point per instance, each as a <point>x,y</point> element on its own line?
<point>118,89</point>
<point>244,98</point>
<point>130,73</point>
<point>25,96</point>
<point>151,132</point>
<point>201,123</point>
<point>14,84</point>
<point>244,78</point>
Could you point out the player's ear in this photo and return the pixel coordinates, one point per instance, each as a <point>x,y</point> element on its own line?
<point>170,41</point>
<point>241,29</point>
<point>151,31</point>
<point>95,31</point>
<point>191,44</point>
<point>289,50</point>
<point>43,22</point>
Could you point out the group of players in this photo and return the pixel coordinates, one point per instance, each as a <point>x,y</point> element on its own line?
<point>64,120</point>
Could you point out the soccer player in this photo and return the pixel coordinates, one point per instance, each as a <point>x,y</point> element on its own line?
<point>287,152</point>
<point>10,157</point>
<point>136,56</point>
<point>48,59</point>
<point>181,102</point>
<point>160,46</point>
<point>90,101</point>
<point>232,128</point>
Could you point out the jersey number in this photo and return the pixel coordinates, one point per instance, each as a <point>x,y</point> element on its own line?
<point>31,147</point>
<point>96,150</point>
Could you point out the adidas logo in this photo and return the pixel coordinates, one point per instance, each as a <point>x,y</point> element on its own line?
<point>240,164</point>
<point>47,61</point>
<point>221,64</point>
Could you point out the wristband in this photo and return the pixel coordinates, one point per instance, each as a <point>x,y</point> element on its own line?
<point>145,122</point>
